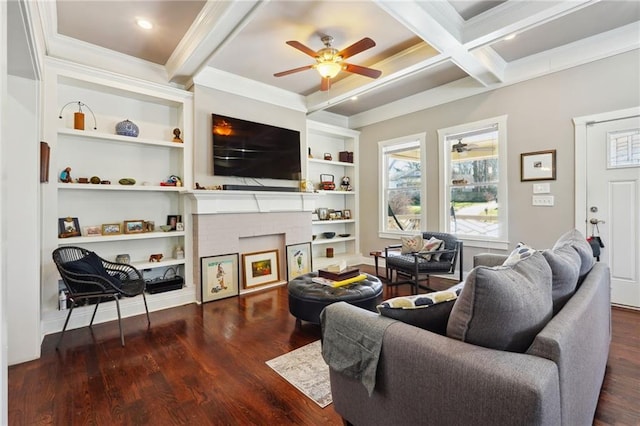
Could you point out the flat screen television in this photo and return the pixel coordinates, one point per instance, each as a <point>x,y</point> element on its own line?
<point>247,149</point>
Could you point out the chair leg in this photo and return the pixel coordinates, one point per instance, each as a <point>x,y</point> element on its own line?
<point>65,325</point>
<point>119,321</point>
<point>146,308</point>
<point>94,312</point>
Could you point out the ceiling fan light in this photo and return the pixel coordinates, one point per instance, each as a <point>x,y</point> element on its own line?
<point>328,69</point>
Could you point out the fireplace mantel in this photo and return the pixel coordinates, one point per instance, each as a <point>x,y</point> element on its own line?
<point>224,201</point>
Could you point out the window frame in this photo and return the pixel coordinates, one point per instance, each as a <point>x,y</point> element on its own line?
<point>501,242</point>
<point>420,140</point>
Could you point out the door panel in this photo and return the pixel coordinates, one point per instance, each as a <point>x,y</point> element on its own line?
<point>613,197</point>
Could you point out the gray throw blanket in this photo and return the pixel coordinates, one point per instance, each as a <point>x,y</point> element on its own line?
<point>351,342</point>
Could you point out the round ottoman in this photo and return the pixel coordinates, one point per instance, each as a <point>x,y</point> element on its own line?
<point>307,299</point>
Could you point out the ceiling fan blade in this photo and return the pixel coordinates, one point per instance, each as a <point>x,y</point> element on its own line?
<point>326,84</point>
<point>357,47</point>
<point>287,72</point>
<point>301,47</point>
<point>357,69</point>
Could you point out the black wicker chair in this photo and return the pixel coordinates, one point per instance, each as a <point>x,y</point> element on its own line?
<point>412,267</point>
<point>87,276</point>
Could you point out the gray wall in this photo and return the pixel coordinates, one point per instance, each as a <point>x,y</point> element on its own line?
<point>540,113</point>
<point>208,101</point>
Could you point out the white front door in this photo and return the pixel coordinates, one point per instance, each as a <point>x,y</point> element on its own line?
<point>613,201</point>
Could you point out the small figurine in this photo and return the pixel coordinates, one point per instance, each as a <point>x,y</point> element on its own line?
<point>345,184</point>
<point>155,257</point>
<point>65,175</point>
<point>176,135</point>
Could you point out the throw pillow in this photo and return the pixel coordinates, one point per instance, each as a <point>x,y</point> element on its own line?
<point>522,251</point>
<point>429,311</point>
<point>576,240</point>
<point>432,244</point>
<point>91,265</point>
<point>565,268</point>
<point>503,307</point>
<point>411,244</point>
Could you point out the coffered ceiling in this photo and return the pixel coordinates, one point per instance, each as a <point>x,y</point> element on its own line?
<point>428,51</point>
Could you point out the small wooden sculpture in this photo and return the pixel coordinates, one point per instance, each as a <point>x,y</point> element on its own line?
<point>176,135</point>
<point>65,175</point>
<point>155,257</point>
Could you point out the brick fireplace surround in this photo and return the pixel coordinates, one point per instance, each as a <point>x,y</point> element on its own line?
<point>227,222</point>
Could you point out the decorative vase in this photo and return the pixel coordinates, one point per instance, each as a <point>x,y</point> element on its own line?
<point>123,258</point>
<point>127,128</point>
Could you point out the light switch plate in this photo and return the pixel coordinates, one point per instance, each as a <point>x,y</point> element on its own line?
<point>542,200</point>
<point>541,188</point>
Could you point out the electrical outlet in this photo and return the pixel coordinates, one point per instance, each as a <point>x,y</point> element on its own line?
<point>542,200</point>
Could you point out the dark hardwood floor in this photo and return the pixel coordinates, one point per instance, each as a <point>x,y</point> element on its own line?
<point>200,365</point>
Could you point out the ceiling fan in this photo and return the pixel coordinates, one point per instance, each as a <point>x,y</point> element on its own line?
<point>461,147</point>
<point>329,61</point>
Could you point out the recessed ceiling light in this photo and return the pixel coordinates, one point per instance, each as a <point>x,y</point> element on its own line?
<point>510,37</point>
<point>143,23</point>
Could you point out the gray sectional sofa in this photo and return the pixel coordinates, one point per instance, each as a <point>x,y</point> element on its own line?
<point>469,376</point>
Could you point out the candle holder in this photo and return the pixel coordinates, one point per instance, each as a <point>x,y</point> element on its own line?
<point>78,117</point>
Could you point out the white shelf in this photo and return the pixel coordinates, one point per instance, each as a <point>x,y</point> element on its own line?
<point>332,222</point>
<point>330,162</point>
<point>120,237</point>
<point>322,241</point>
<point>118,187</point>
<point>321,191</point>
<point>164,262</point>
<point>89,134</point>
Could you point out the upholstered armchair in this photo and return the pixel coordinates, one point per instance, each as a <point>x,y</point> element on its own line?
<point>414,261</point>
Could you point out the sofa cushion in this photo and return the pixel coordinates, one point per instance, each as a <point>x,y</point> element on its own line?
<point>565,269</point>
<point>429,311</point>
<point>91,264</point>
<point>503,307</point>
<point>575,239</point>
<point>411,244</point>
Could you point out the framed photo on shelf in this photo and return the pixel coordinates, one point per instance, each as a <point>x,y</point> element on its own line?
<point>134,226</point>
<point>346,214</point>
<point>539,165</point>
<point>68,227</point>
<point>298,260</point>
<point>260,268</point>
<point>91,231</point>
<point>111,229</point>
<point>173,219</point>
<point>149,226</point>
<point>219,277</point>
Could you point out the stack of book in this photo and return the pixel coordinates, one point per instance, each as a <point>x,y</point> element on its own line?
<point>338,279</point>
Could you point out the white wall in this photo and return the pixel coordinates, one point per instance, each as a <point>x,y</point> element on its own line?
<point>539,118</point>
<point>208,101</point>
<point>3,279</point>
<point>22,215</point>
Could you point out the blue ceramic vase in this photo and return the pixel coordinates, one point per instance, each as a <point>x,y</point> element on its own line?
<point>127,128</point>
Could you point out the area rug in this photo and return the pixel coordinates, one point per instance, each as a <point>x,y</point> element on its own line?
<point>305,369</point>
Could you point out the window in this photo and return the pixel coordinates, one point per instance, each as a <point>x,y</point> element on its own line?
<point>402,182</point>
<point>474,191</point>
<point>624,148</point>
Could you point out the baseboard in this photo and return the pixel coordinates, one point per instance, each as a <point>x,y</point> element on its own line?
<point>53,321</point>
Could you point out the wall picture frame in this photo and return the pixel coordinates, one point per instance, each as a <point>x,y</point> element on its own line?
<point>260,268</point>
<point>68,227</point>
<point>299,261</point>
<point>538,165</point>
<point>134,226</point>
<point>219,277</point>
<point>111,229</point>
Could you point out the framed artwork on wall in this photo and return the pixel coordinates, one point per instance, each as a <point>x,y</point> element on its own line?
<point>260,268</point>
<point>219,276</point>
<point>539,165</point>
<point>298,260</point>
